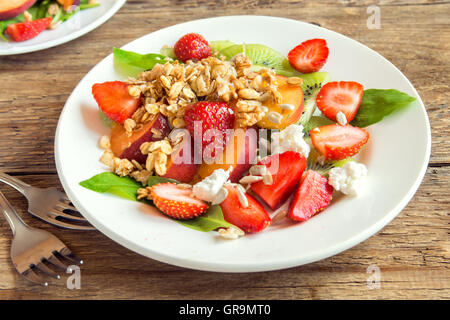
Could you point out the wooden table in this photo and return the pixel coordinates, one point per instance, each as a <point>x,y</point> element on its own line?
<point>412,252</point>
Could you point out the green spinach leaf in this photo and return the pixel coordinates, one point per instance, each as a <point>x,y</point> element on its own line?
<point>108,182</point>
<point>378,103</point>
<point>210,220</point>
<point>143,61</point>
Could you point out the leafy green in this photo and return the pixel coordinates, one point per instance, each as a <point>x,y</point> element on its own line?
<point>378,103</point>
<point>152,180</point>
<point>314,122</point>
<point>108,182</point>
<point>143,61</point>
<point>210,220</point>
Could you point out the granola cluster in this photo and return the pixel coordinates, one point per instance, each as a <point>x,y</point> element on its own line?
<point>170,88</point>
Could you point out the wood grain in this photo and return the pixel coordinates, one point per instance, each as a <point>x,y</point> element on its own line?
<point>412,252</point>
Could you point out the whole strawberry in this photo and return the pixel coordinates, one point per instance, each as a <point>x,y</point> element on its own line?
<point>218,116</point>
<point>192,46</point>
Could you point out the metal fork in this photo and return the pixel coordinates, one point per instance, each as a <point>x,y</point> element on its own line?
<point>31,248</point>
<point>48,204</point>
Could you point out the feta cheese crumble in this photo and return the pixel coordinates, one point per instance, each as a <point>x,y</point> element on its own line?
<point>349,178</point>
<point>341,118</point>
<point>211,188</point>
<point>290,139</point>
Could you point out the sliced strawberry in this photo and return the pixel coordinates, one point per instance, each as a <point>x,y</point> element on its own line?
<point>309,56</point>
<point>114,100</point>
<point>26,30</point>
<point>192,46</point>
<point>177,202</point>
<point>344,96</point>
<point>252,218</point>
<point>312,196</point>
<point>286,170</point>
<point>336,142</point>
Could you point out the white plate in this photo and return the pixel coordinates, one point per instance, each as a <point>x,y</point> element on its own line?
<point>77,26</point>
<point>396,156</point>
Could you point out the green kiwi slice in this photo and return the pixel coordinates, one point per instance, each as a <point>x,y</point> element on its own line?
<point>322,167</point>
<point>312,83</point>
<point>168,52</point>
<point>219,45</point>
<point>260,56</point>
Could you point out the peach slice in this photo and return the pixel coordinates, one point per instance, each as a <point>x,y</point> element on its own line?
<point>67,4</point>
<point>292,95</point>
<point>12,8</point>
<point>239,152</point>
<point>182,167</point>
<point>124,146</point>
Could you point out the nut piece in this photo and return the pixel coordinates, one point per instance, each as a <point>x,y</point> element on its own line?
<point>104,143</point>
<point>144,193</point>
<point>250,179</point>
<point>341,118</point>
<point>274,117</point>
<point>231,233</point>
<point>287,106</point>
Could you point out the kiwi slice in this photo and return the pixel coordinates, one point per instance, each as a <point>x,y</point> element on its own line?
<point>107,122</point>
<point>314,122</point>
<point>219,45</point>
<point>168,52</point>
<point>260,56</point>
<point>312,83</point>
<point>322,167</point>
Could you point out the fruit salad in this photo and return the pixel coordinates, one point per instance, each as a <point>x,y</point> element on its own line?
<point>22,20</point>
<point>235,137</point>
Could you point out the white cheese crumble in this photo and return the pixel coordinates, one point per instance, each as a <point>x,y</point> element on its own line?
<point>210,188</point>
<point>290,139</point>
<point>349,178</point>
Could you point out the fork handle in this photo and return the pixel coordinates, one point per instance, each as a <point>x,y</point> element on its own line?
<point>11,215</point>
<point>14,182</point>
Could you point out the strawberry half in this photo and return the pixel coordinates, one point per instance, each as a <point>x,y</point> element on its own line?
<point>114,100</point>
<point>252,218</point>
<point>336,142</point>
<point>214,117</point>
<point>344,96</point>
<point>192,46</point>
<point>309,56</point>
<point>286,170</point>
<point>177,202</point>
<point>312,196</point>
<point>26,30</point>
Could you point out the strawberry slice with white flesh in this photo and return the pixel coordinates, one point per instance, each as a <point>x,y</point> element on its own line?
<point>177,202</point>
<point>340,96</point>
<point>336,142</point>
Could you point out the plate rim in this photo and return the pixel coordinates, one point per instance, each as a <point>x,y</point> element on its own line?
<point>277,264</point>
<point>69,37</point>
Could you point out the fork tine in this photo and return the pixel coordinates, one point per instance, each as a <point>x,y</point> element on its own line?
<point>69,255</point>
<point>66,206</point>
<point>30,275</point>
<point>41,266</point>
<point>57,213</point>
<point>66,225</point>
<point>56,262</point>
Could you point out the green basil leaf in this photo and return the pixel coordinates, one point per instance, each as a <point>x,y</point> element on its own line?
<point>143,61</point>
<point>152,180</point>
<point>210,220</point>
<point>378,103</point>
<point>314,122</point>
<point>108,182</point>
